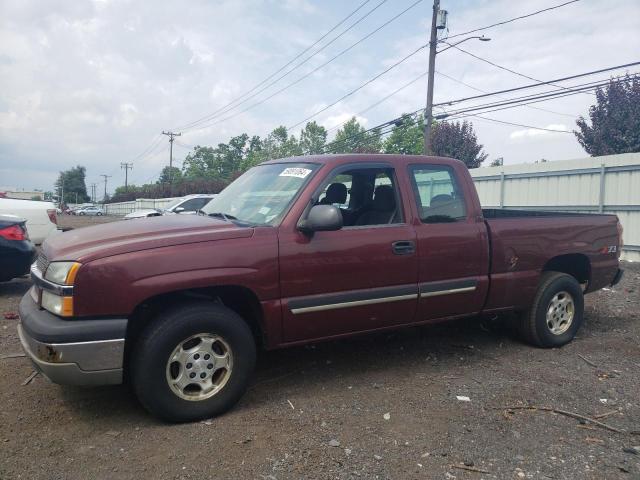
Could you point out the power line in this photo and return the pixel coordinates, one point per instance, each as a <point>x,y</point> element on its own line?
<point>550,82</point>
<point>545,96</point>
<point>504,22</point>
<point>536,96</point>
<point>225,108</point>
<point>518,124</point>
<point>500,66</point>
<point>383,99</point>
<point>308,74</point>
<point>484,91</point>
<point>360,87</point>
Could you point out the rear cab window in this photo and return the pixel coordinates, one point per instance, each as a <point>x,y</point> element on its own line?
<point>437,193</point>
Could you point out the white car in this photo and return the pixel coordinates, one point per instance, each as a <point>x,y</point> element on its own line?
<point>93,210</point>
<point>41,216</point>
<point>189,204</point>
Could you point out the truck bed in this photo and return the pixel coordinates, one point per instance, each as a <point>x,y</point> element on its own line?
<point>523,241</point>
<point>511,213</point>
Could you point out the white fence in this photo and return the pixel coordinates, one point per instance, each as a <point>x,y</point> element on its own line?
<point>123,208</point>
<point>609,184</point>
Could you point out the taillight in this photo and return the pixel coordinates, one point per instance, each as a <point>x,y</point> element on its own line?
<point>14,232</point>
<point>52,215</point>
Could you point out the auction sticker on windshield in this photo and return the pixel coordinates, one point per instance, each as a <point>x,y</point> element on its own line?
<point>297,172</point>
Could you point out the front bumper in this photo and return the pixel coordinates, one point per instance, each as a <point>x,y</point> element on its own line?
<point>72,352</point>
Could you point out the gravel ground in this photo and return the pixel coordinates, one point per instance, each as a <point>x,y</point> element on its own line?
<point>375,406</point>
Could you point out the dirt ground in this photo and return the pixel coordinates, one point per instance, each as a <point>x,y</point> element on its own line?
<point>375,406</point>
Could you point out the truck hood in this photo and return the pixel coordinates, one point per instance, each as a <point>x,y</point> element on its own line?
<point>90,243</point>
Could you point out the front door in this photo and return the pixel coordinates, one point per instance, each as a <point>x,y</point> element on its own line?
<point>362,277</point>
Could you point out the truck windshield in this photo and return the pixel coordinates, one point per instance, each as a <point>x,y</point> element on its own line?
<point>262,194</point>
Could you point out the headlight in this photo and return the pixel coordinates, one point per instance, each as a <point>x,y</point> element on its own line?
<point>62,306</point>
<point>62,273</point>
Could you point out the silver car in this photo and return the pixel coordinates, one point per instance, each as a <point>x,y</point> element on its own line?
<point>189,204</point>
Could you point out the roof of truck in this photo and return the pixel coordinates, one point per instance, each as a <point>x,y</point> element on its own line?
<point>341,158</point>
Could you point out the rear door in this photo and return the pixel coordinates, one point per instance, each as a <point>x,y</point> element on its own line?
<point>452,244</point>
<point>362,277</point>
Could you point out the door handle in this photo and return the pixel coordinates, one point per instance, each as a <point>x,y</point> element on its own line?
<point>404,247</point>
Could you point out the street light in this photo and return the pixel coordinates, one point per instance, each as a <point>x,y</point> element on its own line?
<point>451,45</point>
<point>433,44</point>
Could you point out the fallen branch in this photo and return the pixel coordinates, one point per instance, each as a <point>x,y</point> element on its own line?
<point>565,413</point>
<point>470,469</point>
<point>588,361</point>
<point>27,380</point>
<point>606,414</point>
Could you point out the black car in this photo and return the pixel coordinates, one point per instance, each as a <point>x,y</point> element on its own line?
<point>16,250</point>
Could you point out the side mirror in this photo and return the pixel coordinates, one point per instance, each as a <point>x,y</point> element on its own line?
<point>322,218</point>
<point>178,210</point>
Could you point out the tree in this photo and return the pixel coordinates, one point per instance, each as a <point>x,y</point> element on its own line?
<point>72,182</point>
<point>407,137</point>
<point>615,119</point>
<point>353,138</point>
<point>498,162</point>
<point>170,175</point>
<point>457,140</point>
<point>313,138</point>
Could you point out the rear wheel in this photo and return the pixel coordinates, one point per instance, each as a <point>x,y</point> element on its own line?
<point>193,362</point>
<point>556,313</point>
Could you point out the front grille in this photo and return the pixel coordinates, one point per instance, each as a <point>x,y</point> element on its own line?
<point>42,263</point>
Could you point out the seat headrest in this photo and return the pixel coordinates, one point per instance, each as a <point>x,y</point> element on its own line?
<point>336,193</point>
<point>441,199</point>
<point>384,199</point>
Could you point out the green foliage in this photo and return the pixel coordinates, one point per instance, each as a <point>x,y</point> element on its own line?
<point>72,181</point>
<point>406,138</point>
<point>457,140</point>
<point>36,197</point>
<point>615,120</point>
<point>354,138</point>
<point>313,139</point>
<point>498,162</point>
<point>209,169</point>
<point>170,175</point>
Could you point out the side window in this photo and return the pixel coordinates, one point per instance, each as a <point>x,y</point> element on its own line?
<point>337,192</point>
<point>365,196</point>
<point>194,204</point>
<point>437,193</point>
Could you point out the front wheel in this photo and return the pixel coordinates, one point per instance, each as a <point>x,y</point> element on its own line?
<point>193,362</point>
<point>556,314</point>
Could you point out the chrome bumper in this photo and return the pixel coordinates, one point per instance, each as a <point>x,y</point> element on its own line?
<point>98,362</point>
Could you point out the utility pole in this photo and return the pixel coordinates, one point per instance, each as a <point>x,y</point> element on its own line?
<point>93,192</point>
<point>171,135</point>
<point>127,167</point>
<point>433,43</point>
<point>105,185</point>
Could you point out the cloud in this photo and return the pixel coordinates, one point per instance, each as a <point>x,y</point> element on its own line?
<point>533,132</point>
<point>94,83</point>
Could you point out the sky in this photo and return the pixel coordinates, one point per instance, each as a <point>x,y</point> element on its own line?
<point>95,82</point>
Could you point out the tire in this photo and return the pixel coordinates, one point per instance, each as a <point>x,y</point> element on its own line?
<point>99,214</point>
<point>556,313</point>
<point>152,373</point>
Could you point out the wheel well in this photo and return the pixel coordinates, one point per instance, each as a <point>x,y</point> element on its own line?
<point>576,264</point>
<point>239,299</point>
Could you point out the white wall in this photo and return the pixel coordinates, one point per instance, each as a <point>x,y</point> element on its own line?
<point>608,184</point>
<point>123,208</point>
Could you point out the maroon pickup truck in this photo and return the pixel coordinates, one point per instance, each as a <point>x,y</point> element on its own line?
<point>294,251</point>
